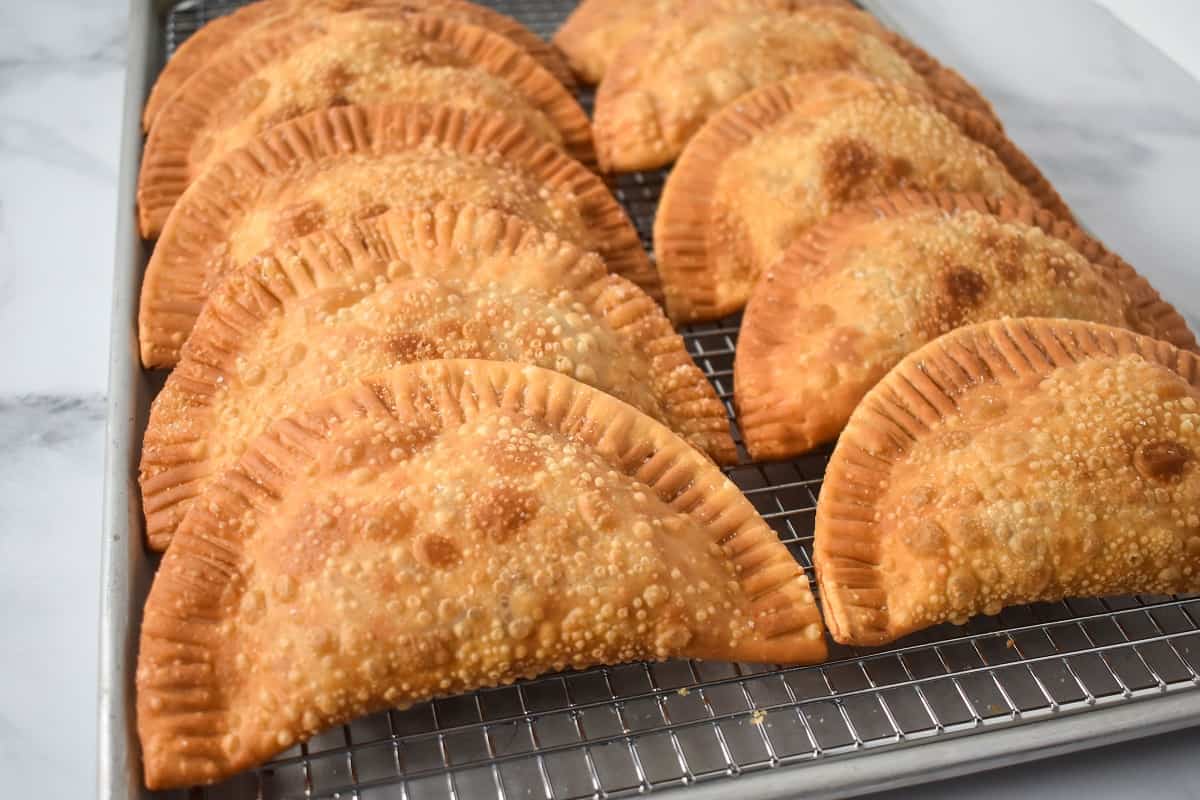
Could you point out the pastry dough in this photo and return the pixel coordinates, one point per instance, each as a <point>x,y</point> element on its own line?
<point>268,17</point>
<point>784,157</point>
<point>409,285</point>
<point>597,29</point>
<point>334,166</point>
<point>871,284</point>
<point>665,84</point>
<point>437,528</point>
<point>1011,462</point>
<point>361,58</point>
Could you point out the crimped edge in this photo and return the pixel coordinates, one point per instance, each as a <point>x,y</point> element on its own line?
<point>760,408</point>
<point>173,287</point>
<point>176,466</point>
<point>904,407</point>
<point>167,167</point>
<point>187,594</point>
<point>682,222</point>
<point>943,81</point>
<point>221,32</point>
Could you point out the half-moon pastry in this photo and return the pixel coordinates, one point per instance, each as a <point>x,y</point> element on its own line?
<point>869,285</point>
<point>362,59</point>
<point>1011,462</point>
<point>334,166</point>
<point>268,17</point>
<point>437,528</point>
<point>784,157</point>
<point>664,85</point>
<point>410,285</point>
<point>597,29</point>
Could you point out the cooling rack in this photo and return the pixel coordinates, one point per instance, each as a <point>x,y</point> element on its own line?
<point>1035,680</point>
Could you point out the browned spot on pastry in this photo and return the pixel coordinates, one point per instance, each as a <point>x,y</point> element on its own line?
<point>848,166</point>
<point>1062,271</point>
<point>408,347</point>
<point>436,551</point>
<point>339,100</point>
<point>964,286</point>
<point>960,290</point>
<point>1161,460</point>
<point>501,512</point>
<point>298,220</point>
<point>336,79</point>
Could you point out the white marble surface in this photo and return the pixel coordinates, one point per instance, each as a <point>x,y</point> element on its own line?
<point>1114,123</point>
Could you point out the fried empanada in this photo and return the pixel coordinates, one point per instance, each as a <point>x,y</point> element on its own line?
<point>869,285</point>
<point>334,166</point>
<point>409,285</point>
<point>784,157</point>
<point>362,59</point>
<point>665,84</point>
<point>597,29</point>
<point>268,17</point>
<point>1011,462</point>
<point>438,528</point>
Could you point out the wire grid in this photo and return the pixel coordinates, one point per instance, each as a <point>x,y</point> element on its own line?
<point>629,729</point>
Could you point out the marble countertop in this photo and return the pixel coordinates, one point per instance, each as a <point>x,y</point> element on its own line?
<point>1111,119</point>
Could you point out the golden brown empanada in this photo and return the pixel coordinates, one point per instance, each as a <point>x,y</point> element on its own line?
<point>409,285</point>
<point>360,58</point>
<point>332,167</point>
<point>437,528</point>
<point>869,285</point>
<point>1010,462</point>
<point>784,157</point>
<point>268,17</point>
<point>665,84</point>
<point>597,29</point>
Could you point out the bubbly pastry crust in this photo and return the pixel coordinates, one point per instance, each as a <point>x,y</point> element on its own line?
<point>266,17</point>
<point>597,29</point>
<point>361,58</point>
<point>664,85</point>
<point>1011,462</point>
<point>437,528</point>
<point>410,285</point>
<point>332,167</point>
<point>786,156</point>
<point>849,299</point>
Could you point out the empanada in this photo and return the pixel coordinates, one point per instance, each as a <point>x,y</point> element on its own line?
<point>410,285</point>
<point>665,84</point>
<point>869,285</point>
<point>784,157</point>
<point>597,29</point>
<point>437,528</point>
<point>1010,462</point>
<point>334,166</point>
<point>268,17</point>
<point>361,58</point>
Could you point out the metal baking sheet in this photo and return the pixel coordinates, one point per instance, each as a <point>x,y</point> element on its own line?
<point>1033,682</point>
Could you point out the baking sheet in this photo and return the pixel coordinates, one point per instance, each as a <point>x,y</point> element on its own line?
<point>1033,682</point>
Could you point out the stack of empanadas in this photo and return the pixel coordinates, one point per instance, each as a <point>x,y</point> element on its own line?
<point>428,428</point>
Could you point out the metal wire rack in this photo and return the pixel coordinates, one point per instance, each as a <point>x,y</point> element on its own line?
<point>629,729</point>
